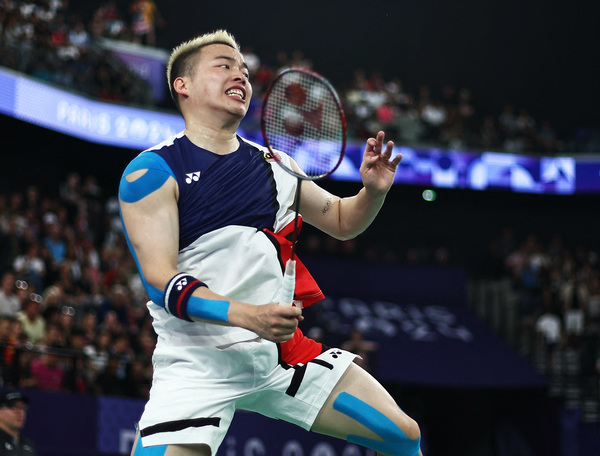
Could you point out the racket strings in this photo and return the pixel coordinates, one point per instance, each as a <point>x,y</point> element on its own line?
<point>303,118</point>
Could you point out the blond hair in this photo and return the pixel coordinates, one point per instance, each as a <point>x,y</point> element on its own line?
<point>184,57</point>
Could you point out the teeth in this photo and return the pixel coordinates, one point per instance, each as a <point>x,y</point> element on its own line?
<point>235,92</point>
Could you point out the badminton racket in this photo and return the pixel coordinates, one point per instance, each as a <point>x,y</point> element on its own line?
<point>302,116</point>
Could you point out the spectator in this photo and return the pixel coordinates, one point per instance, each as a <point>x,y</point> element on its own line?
<point>24,376</point>
<point>573,296</point>
<point>34,324</point>
<point>55,335</point>
<point>53,240</point>
<point>54,299</point>
<point>592,306</point>
<point>145,19</point>
<point>118,300</point>
<point>13,411</point>
<point>98,354</point>
<point>9,301</point>
<point>89,325</point>
<point>489,135</point>
<point>546,138</point>
<point>138,379</point>
<point>18,334</point>
<point>79,37</point>
<point>366,349</point>
<point>111,382</point>
<point>107,22</point>
<point>548,326</point>
<point>77,370</point>
<point>8,352</point>
<point>30,266</point>
<point>47,370</point>
<point>507,120</point>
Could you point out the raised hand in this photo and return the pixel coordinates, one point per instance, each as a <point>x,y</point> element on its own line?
<point>378,168</point>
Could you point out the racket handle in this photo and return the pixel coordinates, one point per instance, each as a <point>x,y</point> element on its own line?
<point>289,284</point>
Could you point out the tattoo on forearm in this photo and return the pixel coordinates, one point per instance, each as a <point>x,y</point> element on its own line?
<point>327,205</point>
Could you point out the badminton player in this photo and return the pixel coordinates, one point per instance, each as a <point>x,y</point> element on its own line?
<point>205,214</point>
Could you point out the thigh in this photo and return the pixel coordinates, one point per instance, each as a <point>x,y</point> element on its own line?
<point>360,384</point>
<point>188,450</point>
<point>295,394</point>
<point>168,450</point>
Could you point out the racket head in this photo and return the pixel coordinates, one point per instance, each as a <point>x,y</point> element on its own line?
<point>302,116</point>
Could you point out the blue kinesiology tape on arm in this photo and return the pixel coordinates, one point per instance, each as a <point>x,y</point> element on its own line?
<point>157,173</point>
<point>208,309</point>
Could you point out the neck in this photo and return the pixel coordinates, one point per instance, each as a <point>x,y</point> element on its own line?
<point>212,130</point>
<point>218,141</point>
<point>14,433</point>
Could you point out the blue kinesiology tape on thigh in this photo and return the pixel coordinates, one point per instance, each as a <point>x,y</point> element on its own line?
<point>395,442</point>
<point>158,450</point>
<point>157,173</point>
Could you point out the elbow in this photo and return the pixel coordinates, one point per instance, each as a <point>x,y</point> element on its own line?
<point>346,234</point>
<point>346,237</point>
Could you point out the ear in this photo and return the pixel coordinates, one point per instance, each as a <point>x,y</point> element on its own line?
<point>180,86</point>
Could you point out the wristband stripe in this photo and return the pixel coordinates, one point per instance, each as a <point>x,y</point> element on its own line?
<point>178,292</point>
<point>182,301</point>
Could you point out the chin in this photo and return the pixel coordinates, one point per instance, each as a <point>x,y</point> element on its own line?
<point>241,113</point>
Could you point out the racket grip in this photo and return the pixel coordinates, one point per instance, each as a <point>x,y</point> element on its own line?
<point>289,284</point>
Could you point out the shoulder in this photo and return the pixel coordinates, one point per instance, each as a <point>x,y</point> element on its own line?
<point>285,158</point>
<point>153,158</point>
<point>4,437</point>
<point>147,160</point>
<point>157,172</point>
<point>245,141</point>
<point>28,446</point>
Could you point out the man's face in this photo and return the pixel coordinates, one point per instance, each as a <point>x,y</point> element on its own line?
<point>12,416</point>
<point>220,81</point>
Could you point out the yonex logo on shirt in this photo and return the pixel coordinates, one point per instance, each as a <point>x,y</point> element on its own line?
<point>192,177</point>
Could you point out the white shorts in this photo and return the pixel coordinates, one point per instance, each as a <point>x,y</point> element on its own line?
<point>193,403</point>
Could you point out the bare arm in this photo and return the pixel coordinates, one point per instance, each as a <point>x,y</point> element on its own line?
<point>345,218</point>
<point>152,225</point>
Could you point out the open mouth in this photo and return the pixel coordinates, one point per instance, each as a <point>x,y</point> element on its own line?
<point>236,93</point>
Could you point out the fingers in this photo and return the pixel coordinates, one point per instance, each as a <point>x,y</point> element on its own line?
<point>388,149</point>
<point>278,323</point>
<point>376,144</point>
<point>387,153</point>
<point>376,151</point>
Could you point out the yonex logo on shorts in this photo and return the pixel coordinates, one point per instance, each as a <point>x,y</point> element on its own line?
<point>192,177</point>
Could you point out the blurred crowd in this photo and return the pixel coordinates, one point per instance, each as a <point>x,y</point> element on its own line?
<point>557,289</point>
<point>45,39</point>
<point>72,306</point>
<point>445,117</point>
<point>59,43</point>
